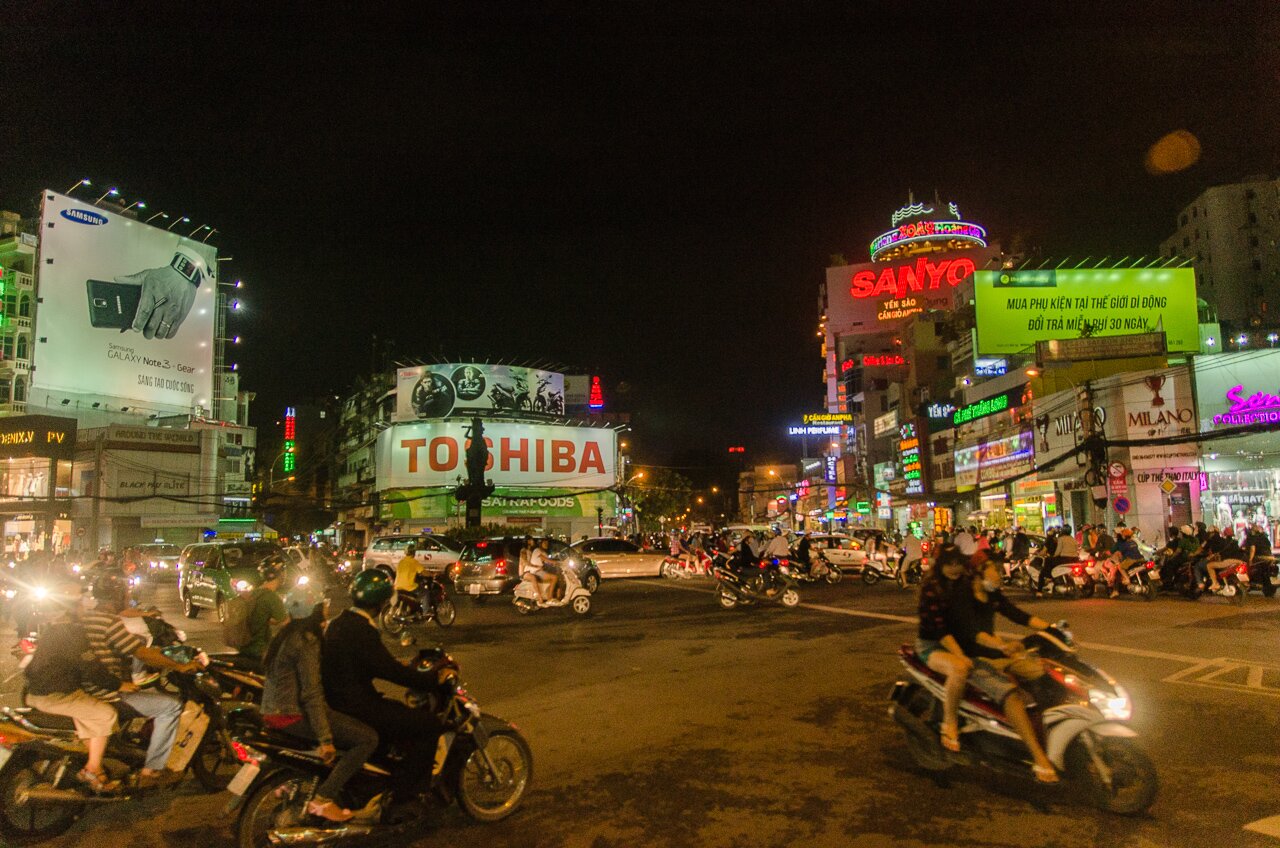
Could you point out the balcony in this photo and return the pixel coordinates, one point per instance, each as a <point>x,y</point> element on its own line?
<point>24,281</point>
<point>15,407</point>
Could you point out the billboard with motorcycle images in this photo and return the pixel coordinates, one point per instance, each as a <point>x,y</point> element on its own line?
<point>458,388</point>
<point>126,310</point>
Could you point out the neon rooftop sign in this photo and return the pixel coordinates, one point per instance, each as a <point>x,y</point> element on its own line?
<point>1257,408</point>
<point>916,231</point>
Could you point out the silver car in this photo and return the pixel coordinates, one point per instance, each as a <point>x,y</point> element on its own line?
<point>620,558</point>
<point>436,553</point>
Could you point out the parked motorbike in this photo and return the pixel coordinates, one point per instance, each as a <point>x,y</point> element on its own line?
<point>1264,576</point>
<point>430,603</point>
<point>1078,710</point>
<point>575,596</point>
<point>768,582</point>
<point>39,795</point>
<point>482,762</point>
<point>1069,579</point>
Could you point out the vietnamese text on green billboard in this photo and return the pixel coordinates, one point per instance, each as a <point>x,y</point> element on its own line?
<point>1016,309</point>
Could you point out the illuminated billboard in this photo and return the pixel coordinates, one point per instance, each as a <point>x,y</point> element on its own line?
<point>125,311</point>
<point>438,391</point>
<point>876,296</point>
<point>433,453</point>
<point>1016,309</point>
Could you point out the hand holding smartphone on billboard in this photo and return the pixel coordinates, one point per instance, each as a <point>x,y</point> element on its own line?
<point>166,296</point>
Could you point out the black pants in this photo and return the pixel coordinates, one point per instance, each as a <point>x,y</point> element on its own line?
<point>353,738</point>
<point>414,733</point>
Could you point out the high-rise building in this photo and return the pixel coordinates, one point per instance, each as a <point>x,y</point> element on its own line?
<point>1230,234</point>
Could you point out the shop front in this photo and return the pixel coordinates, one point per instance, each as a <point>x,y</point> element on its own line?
<point>554,513</point>
<point>1239,479</point>
<point>35,483</point>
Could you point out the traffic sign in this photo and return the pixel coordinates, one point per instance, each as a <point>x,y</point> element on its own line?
<point>1116,469</point>
<point>1121,505</point>
<point>1167,486</point>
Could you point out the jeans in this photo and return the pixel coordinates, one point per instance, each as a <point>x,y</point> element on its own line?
<point>1201,569</point>
<point>164,711</point>
<point>355,739</point>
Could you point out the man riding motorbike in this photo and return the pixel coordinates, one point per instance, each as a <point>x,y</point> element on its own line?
<point>1062,551</point>
<point>1124,553</point>
<point>353,656</point>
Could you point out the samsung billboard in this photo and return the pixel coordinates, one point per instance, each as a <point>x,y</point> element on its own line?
<point>125,310</point>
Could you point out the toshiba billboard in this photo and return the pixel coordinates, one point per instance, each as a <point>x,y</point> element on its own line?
<point>434,453</point>
<point>880,295</point>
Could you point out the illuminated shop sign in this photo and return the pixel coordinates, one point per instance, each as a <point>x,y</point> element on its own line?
<point>877,360</point>
<point>846,366</point>
<point>46,436</point>
<point>909,458</point>
<point>886,423</point>
<point>987,406</point>
<point>828,418</point>
<point>1257,408</point>
<point>916,231</point>
<point>813,430</point>
<point>940,411</point>
<point>900,280</point>
<point>829,472</point>
<point>987,367</point>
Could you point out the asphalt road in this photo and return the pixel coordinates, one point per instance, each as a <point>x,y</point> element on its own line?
<point>662,720</point>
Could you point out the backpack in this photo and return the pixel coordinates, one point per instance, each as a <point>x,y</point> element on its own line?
<point>235,627</point>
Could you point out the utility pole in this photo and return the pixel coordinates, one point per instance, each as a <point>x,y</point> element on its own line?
<point>476,488</point>
<point>97,493</point>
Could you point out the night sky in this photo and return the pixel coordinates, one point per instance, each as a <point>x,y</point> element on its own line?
<point>652,196</point>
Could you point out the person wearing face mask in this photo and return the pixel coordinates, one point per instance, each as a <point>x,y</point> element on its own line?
<point>1000,666</point>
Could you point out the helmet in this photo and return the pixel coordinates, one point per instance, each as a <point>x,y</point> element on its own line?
<point>111,588</point>
<point>370,589</point>
<point>271,569</point>
<point>301,601</point>
<point>1187,530</point>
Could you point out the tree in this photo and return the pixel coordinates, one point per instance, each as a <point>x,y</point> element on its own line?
<point>661,493</point>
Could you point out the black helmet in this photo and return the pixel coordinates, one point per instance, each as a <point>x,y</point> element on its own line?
<point>371,589</point>
<point>111,589</point>
<point>271,569</point>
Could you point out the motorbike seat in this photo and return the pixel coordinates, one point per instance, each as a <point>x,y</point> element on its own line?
<point>237,661</point>
<point>63,724</point>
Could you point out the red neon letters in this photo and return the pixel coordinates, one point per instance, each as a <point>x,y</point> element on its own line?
<point>896,281</point>
<point>873,360</point>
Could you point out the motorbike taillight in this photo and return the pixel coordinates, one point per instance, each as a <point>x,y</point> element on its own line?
<point>1242,569</point>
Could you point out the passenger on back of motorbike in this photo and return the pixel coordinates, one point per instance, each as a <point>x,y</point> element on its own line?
<point>958,603</point>
<point>1124,553</point>
<point>1060,549</point>
<point>353,656</point>
<point>293,701</point>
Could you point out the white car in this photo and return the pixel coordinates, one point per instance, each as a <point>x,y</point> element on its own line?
<point>620,558</point>
<point>436,553</point>
<point>844,552</point>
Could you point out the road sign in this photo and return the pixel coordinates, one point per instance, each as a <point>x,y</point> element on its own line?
<point>1121,505</point>
<point>1167,486</point>
<point>1116,469</point>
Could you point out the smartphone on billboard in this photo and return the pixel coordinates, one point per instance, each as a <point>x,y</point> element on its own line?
<point>113,305</point>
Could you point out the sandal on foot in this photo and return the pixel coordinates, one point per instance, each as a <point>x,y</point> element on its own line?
<point>950,738</point>
<point>97,782</point>
<point>1045,774</point>
<point>328,810</point>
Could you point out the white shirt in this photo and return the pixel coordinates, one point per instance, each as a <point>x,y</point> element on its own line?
<point>538,559</point>
<point>777,547</point>
<point>966,543</point>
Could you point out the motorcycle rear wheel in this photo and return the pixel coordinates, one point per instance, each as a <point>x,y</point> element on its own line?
<point>1133,776</point>
<point>213,765</point>
<point>27,824</point>
<point>870,576</point>
<point>280,800</point>
<point>726,598</point>
<point>491,797</point>
<point>446,613</point>
<point>790,597</point>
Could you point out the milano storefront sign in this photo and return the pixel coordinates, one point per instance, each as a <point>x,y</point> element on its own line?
<point>426,454</point>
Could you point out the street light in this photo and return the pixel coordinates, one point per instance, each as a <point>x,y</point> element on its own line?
<point>183,220</point>
<point>211,232</point>
<point>111,191</point>
<point>157,215</point>
<point>137,203</point>
<point>77,185</point>
<point>192,234</point>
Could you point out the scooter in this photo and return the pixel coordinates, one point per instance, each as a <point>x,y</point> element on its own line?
<point>1069,579</point>
<point>1263,576</point>
<point>820,570</point>
<point>769,582</point>
<point>677,567</point>
<point>575,596</point>
<point>1141,579</point>
<point>1078,710</point>
<point>430,603</point>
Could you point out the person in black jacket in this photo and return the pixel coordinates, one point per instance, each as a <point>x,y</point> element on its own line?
<point>353,656</point>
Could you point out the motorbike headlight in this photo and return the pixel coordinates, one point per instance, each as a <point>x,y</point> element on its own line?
<point>1114,706</point>
<point>304,580</point>
<point>243,585</point>
<point>10,594</point>
<point>76,568</point>
<point>39,593</point>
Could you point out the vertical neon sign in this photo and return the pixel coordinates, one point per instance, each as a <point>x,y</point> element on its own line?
<point>595,399</point>
<point>290,431</point>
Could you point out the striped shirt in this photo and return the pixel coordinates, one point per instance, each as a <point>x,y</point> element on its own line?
<point>112,644</point>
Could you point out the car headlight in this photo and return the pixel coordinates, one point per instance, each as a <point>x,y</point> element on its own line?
<point>1113,706</point>
<point>304,580</point>
<point>10,594</point>
<point>76,568</point>
<point>39,593</point>
<point>243,585</point>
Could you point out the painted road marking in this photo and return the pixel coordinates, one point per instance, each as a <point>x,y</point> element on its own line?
<point>1253,677</point>
<point>1269,826</point>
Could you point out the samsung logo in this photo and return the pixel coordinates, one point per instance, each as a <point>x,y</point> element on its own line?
<point>83,216</point>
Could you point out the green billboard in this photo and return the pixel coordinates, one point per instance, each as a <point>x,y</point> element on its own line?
<point>433,504</point>
<point>1016,309</point>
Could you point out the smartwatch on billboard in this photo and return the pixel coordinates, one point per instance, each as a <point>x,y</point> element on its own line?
<point>189,267</point>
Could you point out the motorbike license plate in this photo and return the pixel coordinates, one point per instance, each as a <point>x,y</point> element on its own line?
<point>244,778</point>
<point>473,589</point>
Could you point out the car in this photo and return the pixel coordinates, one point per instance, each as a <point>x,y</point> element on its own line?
<point>620,558</point>
<point>211,574</point>
<point>158,559</point>
<point>435,552</point>
<point>492,566</point>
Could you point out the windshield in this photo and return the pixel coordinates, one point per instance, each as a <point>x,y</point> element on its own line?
<point>250,554</point>
<point>161,550</point>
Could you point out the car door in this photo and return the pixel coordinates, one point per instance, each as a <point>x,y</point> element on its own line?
<point>597,550</point>
<point>427,552</point>
<point>204,560</point>
<point>632,561</point>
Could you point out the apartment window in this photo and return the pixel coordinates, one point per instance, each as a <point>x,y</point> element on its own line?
<point>19,390</point>
<point>1253,241</point>
<point>1186,241</point>
<point>1253,217</point>
<point>1184,219</point>
<point>1199,257</point>
<point>1257,264</point>
<point>22,347</point>
<point>6,347</point>
<point>1249,194</point>
<point>24,307</point>
<point>1197,235</point>
<point>1194,212</point>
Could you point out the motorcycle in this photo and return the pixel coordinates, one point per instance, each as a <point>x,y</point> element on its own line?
<point>1233,584</point>
<point>819,571</point>
<point>430,603</point>
<point>482,762</point>
<point>684,568</point>
<point>39,795</point>
<point>1263,576</point>
<point>876,569</point>
<point>1079,712</point>
<point>1069,579</point>
<point>1141,578</point>
<point>769,582</point>
<point>576,596</point>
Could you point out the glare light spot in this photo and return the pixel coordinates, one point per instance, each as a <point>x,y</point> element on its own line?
<point>1177,151</point>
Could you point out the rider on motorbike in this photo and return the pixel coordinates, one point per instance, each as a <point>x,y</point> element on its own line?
<point>353,656</point>
<point>1124,553</point>
<point>1060,549</point>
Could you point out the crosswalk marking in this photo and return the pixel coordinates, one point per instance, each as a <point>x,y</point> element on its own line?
<point>1269,826</point>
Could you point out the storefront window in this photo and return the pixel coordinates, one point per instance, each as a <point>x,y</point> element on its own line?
<point>1236,499</point>
<point>24,478</point>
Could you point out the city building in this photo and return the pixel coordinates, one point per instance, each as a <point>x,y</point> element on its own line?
<point>1230,234</point>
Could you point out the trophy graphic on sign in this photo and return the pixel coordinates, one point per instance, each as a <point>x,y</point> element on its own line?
<point>1042,425</point>
<point>1155,383</point>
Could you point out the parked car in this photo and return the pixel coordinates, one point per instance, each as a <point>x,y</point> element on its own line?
<point>620,558</point>
<point>212,574</point>
<point>436,553</point>
<point>492,566</point>
<point>158,560</point>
